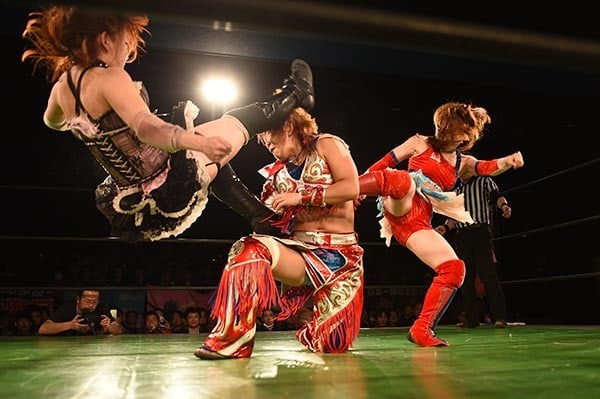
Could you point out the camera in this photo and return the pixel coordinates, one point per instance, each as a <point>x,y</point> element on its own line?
<point>90,317</point>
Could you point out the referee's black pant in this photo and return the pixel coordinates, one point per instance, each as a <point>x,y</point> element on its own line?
<point>473,244</point>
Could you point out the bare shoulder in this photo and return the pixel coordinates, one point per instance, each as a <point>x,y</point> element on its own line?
<point>329,142</point>
<point>419,138</point>
<point>415,144</point>
<point>113,76</point>
<point>468,159</point>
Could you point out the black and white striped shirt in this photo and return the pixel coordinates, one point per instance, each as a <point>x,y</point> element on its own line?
<point>480,194</point>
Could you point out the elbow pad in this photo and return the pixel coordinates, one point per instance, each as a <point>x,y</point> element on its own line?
<point>486,168</point>
<point>154,131</point>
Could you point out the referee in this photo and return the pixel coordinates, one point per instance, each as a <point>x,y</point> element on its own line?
<point>473,244</point>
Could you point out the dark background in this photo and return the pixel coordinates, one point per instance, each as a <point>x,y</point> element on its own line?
<point>380,72</point>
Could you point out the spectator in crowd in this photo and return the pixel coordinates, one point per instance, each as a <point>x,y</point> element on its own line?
<point>23,325</point>
<point>192,320</point>
<point>177,323</point>
<point>81,316</point>
<point>407,317</point>
<point>268,321</point>
<point>393,317</point>
<point>130,322</point>
<point>38,316</point>
<point>381,318</point>
<point>153,324</point>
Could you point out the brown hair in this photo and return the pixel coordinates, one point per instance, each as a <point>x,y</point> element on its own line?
<point>62,35</point>
<point>305,127</point>
<point>454,117</point>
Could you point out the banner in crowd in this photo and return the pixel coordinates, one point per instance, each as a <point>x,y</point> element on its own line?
<point>15,300</point>
<point>389,296</point>
<point>175,299</point>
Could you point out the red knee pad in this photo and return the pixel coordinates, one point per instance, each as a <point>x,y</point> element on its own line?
<point>394,183</point>
<point>451,273</point>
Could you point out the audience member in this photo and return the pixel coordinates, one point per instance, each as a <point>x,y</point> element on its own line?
<point>130,322</point>
<point>407,317</point>
<point>37,316</point>
<point>381,318</point>
<point>152,324</point>
<point>196,320</point>
<point>393,317</point>
<point>81,316</point>
<point>23,325</point>
<point>177,323</point>
<point>268,321</point>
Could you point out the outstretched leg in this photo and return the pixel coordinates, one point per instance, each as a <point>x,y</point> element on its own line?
<point>297,91</point>
<point>450,276</point>
<point>229,189</point>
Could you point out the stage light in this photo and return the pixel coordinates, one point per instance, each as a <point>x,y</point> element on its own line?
<point>219,91</point>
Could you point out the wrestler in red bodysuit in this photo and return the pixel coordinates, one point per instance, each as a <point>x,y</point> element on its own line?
<point>408,198</point>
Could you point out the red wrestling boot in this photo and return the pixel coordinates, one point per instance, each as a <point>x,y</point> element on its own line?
<point>247,287</point>
<point>395,183</point>
<point>450,276</point>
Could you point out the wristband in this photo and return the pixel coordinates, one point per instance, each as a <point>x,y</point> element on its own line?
<point>313,196</point>
<point>486,168</point>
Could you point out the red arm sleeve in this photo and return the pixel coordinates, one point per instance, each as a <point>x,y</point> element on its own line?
<point>486,168</point>
<point>388,161</point>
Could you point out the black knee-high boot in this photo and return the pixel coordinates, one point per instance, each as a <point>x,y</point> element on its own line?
<point>229,189</point>
<point>297,91</point>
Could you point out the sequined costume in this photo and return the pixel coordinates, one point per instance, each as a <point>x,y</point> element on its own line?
<point>334,271</point>
<point>148,194</point>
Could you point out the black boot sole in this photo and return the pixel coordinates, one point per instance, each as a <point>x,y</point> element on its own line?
<point>303,77</point>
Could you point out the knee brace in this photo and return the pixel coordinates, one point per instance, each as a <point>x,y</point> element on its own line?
<point>388,182</point>
<point>451,273</point>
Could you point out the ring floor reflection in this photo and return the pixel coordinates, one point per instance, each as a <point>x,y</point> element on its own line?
<point>516,362</point>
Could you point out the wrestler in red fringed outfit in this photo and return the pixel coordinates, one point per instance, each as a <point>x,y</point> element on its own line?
<point>313,187</point>
<point>407,200</point>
